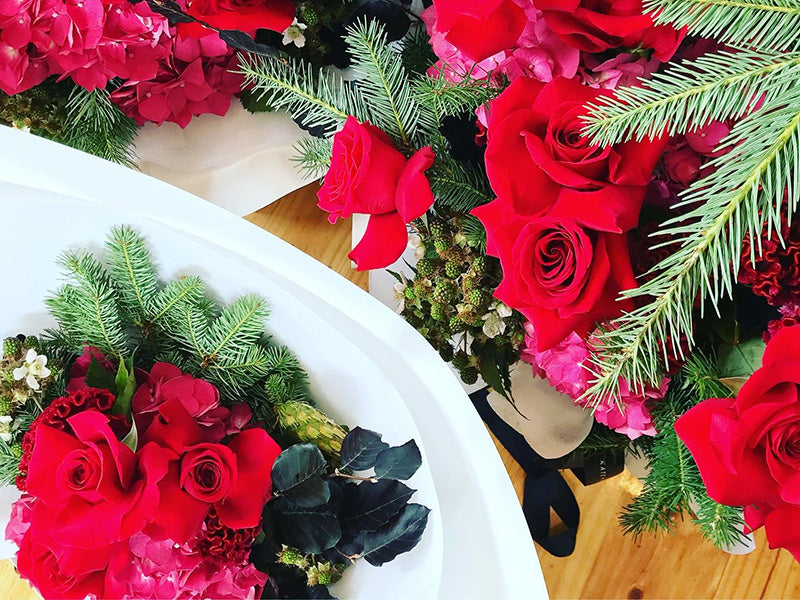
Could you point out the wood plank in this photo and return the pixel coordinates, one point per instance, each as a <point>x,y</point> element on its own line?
<point>606,564</point>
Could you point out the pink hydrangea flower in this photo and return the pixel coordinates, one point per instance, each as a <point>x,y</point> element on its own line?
<point>621,71</point>
<point>565,366</point>
<point>196,79</point>
<point>634,420</point>
<point>162,569</point>
<point>22,65</point>
<point>20,520</point>
<point>538,53</point>
<point>562,365</point>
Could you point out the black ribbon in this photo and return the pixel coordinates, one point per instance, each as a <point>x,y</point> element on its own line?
<point>545,488</point>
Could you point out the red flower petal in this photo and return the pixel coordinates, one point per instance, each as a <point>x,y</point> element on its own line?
<point>383,243</point>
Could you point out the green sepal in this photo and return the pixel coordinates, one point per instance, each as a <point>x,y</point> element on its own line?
<point>125,386</point>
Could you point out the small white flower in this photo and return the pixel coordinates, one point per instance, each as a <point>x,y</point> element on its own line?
<point>6,437</point>
<point>33,369</point>
<point>503,310</point>
<point>416,243</point>
<point>493,325</point>
<point>399,291</point>
<point>294,34</point>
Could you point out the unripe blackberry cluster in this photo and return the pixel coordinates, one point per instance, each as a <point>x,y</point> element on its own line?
<point>318,572</point>
<point>15,393</point>
<point>452,294</point>
<point>42,109</point>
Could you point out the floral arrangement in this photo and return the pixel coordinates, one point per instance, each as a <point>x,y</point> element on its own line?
<point>605,191</point>
<point>195,466</point>
<point>88,73</point>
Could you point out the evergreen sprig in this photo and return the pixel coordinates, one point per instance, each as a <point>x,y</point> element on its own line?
<point>755,184</point>
<point>674,485</point>
<point>766,24</point>
<point>688,95</point>
<point>459,185</point>
<point>121,307</point>
<point>314,156</point>
<point>96,125</point>
<point>449,98</point>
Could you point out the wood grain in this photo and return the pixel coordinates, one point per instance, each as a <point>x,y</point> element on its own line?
<point>606,564</point>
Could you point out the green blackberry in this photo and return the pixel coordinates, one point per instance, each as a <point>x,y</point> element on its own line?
<point>16,450</point>
<point>443,292</point>
<point>439,311</point>
<point>469,375</point>
<point>441,245</point>
<point>479,297</point>
<point>12,347</point>
<point>470,283</point>
<point>426,267</point>
<point>6,405</point>
<point>309,16</point>
<point>461,360</point>
<point>457,324</point>
<point>438,229</point>
<point>290,556</point>
<point>452,269</point>
<point>32,343</point>
<point>479,265</point>
<point>421,289</point>
<point>446,352</point>
<point>409,293</point>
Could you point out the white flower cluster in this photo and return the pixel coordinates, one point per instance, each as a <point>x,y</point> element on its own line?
<point>32,370</point>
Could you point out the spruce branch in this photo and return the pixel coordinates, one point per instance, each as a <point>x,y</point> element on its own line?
<point>96,125</point>
<point>239,325</point>
<point>692,93</point>
<point>447,98</point>
<point>313,156</point>
<point>383,81</point>
<point>739,198</point>
<point>459,185</point>
<point>133,271</point>
<point>766,24</point>
<point>320,99</point>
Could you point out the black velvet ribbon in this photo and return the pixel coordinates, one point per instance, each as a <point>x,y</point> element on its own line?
<point>545,487</point>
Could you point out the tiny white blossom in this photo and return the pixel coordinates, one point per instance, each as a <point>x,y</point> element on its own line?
<point>6,437</point>
<point>503,310</point>
<point>399,291</point>
<point>493,325</point>
<point>33,369</point>
<point>294,34</point>
<point>416,243</point>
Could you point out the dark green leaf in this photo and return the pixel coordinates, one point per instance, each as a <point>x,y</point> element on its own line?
<point>740,360</point>
<point>398,536</point>
<point>360,449</point>
<point>400,462</point>
<point>297,474</point>
<point>98,377</point>
<point>308,528</point>
<point>490,371</point>
<point>367,506</point>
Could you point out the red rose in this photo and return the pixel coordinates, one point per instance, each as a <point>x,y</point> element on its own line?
<point>748,448</point>
<point>234,479</point>
<point>561,277</point>
<point>369,176</point>
<point>243,15</point>
<point>91,485</point>
<point>480,29</point>
<point>167,382</point>
<point>538,160</point>
<point>598,25</point>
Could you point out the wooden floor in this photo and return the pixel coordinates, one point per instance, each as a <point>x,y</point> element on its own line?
<point>606,564</point>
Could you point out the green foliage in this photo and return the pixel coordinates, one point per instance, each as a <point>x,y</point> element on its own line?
<point>756,184</point>
<point>674,486</point>
<point>122,306</point>
<point>458,185</point>
<point>447,98</point>
<point>770,24</point>
<point>314,156</point>
<point>383,81</point>
<point>96,125</point>
<point>689,94</point>
<point>9,464</point>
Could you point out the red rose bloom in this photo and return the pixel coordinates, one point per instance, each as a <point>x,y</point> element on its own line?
<point>748,448</point>
<point>598,25</point>
<point>91,486</point>
<point>243,15</point>
<point>235,479</point>
<point>369,176</point>
<point>480,29</point>
<point>538,160</point>
<point>561,277</point>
